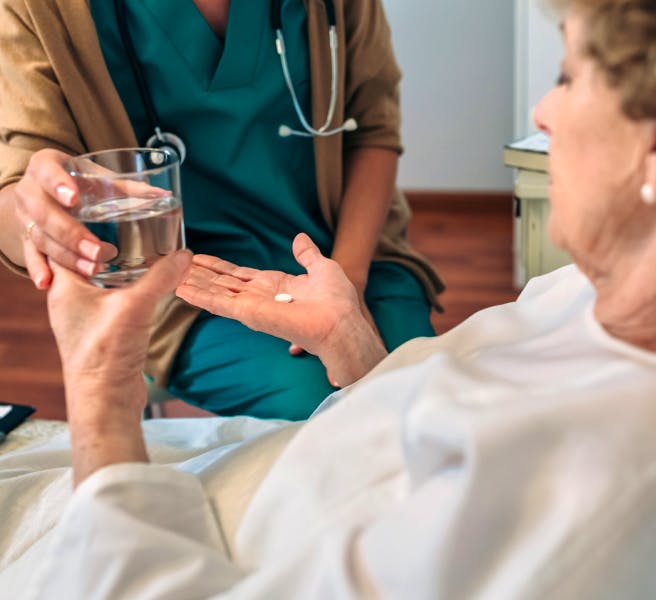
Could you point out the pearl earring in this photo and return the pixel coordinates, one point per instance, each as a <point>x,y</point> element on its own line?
<point>647,193</point>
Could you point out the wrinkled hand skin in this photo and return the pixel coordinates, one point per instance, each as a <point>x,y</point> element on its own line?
<point>102,337</point>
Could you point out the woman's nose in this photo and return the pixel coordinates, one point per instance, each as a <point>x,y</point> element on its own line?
<point>541,115</point>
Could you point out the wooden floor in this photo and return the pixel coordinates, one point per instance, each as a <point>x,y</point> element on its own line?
<point>468,239</point>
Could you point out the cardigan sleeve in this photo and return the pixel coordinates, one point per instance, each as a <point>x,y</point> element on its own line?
<point>34,113</point>
<point>372,77</point>
<point>55,90</point>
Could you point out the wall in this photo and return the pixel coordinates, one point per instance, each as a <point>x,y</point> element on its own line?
<point>537,59</point>
<point>457,91</point>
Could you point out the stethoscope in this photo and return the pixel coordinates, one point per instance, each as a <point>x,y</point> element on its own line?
<point>170,141</point>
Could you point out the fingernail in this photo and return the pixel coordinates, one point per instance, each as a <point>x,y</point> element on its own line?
<point>89,249</point>
<point>65,194</point>
<point>39,281</point>
<point>182,257</point>
<point>85,266</point>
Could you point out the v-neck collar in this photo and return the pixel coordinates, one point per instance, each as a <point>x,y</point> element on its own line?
<point>216,64</point>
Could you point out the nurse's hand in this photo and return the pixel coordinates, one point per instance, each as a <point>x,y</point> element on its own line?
<point>324,316</point>
<point>41,198</point>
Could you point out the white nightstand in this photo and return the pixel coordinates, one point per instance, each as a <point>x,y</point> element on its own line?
<point>534,254</point>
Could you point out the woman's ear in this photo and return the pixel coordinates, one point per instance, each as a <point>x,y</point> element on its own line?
<point>648,189</point>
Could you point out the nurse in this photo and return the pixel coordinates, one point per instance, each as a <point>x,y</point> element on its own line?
<point>98,74</point>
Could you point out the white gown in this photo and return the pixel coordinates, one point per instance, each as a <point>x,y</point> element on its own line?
<point>514,457</point>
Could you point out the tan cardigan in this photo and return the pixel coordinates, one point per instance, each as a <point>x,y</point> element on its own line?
<point>56,92</point>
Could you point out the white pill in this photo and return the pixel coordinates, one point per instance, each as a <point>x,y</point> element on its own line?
<point>283,298</point>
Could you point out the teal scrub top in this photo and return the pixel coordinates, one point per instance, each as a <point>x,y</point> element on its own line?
<point>246,191</point>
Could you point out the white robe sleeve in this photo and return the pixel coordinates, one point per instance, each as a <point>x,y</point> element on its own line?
<point>136,530</point>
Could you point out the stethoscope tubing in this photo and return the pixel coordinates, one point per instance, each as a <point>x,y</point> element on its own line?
<point>161,138</point>
<point>128,44</point>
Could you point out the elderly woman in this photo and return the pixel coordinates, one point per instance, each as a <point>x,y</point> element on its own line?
<point>514,457</point>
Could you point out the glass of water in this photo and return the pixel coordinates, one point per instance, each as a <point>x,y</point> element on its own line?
<point>130,198</point>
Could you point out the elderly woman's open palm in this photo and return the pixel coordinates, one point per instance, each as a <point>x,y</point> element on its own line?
<point>320,298</point>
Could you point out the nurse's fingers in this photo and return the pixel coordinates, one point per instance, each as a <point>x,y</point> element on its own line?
<point>36,265</point>
<point>48,247</point>
<point>140,189</point>
<point>47,223</point>
<point>46,170</point>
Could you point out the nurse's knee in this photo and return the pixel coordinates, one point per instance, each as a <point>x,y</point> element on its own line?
<point>299,388</point>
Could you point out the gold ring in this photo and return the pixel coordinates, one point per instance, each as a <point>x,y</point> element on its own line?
<point>28,230</point>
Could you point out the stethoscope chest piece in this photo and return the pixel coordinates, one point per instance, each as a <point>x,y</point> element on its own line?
<point>164,140</point>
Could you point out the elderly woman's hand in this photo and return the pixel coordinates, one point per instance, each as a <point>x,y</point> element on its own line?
<point>324,316</point>
<point>42,196</point>
<point>102,334</point>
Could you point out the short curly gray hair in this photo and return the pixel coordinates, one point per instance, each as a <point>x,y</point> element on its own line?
<point>621,39</point>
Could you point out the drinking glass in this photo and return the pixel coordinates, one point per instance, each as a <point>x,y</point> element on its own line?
<point>130,199</point>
